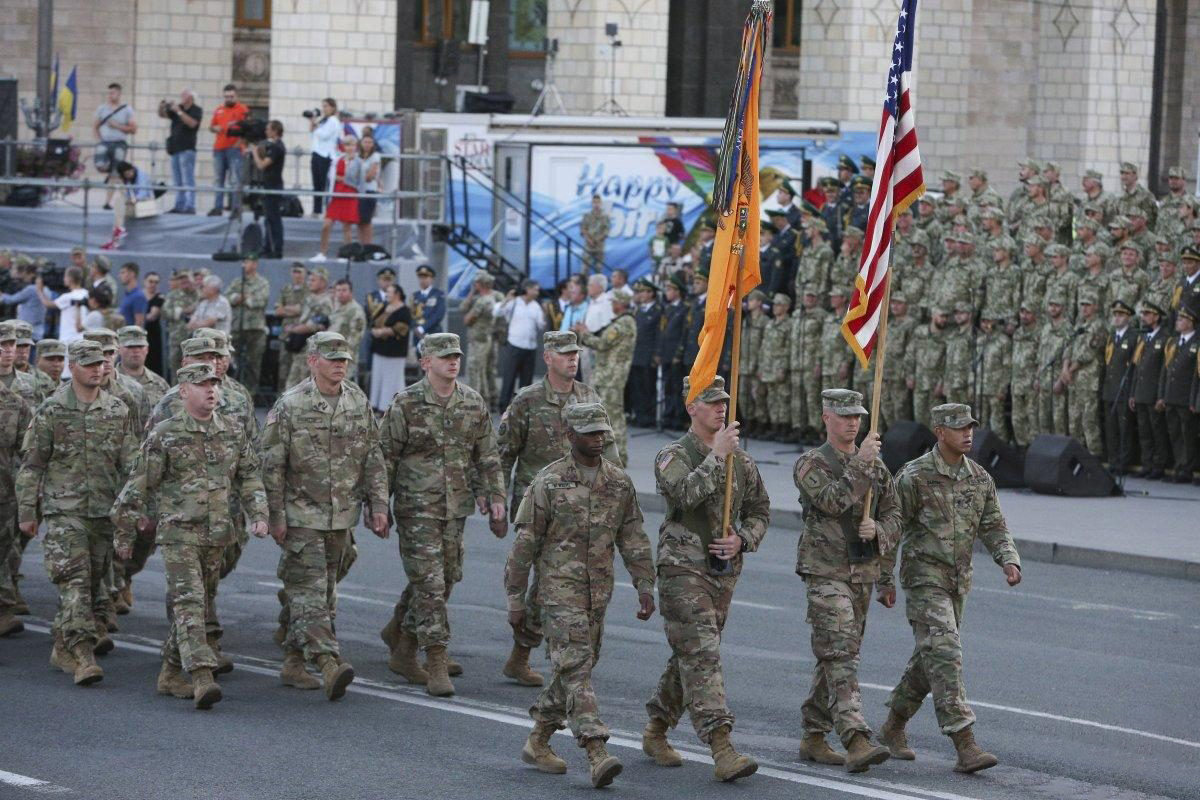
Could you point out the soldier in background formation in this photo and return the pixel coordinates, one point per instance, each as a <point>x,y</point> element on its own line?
<point>479,316</point>
<point>614,346</point>
<point>15,415</point>
<point>248,295</point>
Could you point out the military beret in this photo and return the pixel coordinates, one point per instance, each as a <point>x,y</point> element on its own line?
<point>867,161</point>
<point>1094,175</point>
<point>1055,249</point>
<point>781,299</point>
<point>482,276</point>
<point>1119,221</point>
<point>846,162</point>
<point>331,346</point>
<point>950,175</point>
<point>843,402</point>
<point>84,352</point>
<point>196,373</point>
<point>1129,166</point>
<point>1189,253</point>
<point>107,339</point>
<point>426,270</point>
<point>952,415</point>
<point>1187,313</point>
<point>621,295</point>
<point>51,348</point>
<point>860,182</point>
<point>199,346</point>
<point>8,331</point>
<point>390,273</point>
<point>132,336</point>
<point>24,331</point>
<point>979,172</point>
<point>588,418</point>
<point>440,345</point>
<point>679,280</point>
<point>714,393</point>
<point>1148,304</point>
<point>1121,307</point>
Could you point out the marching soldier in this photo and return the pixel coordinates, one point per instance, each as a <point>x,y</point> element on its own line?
<point>614,345</point>
<point>1081,372</point>
<point>1143,401</point>
<point>839,558</point>
<point>1177,394</point>
<point>321,465</point>
<point>576,512</point>
<point>1117,389</point>
<point>15,415</point>
<point>440,451</point>
<point>248,296</point>
<point>935,571</point>
<point>188,468</point>
<point>78,449</point>
<point>288,308</point>
<point>698,567</point>
<point>25,385</point>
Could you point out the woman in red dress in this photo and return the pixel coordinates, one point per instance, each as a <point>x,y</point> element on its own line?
<point>346,179</point>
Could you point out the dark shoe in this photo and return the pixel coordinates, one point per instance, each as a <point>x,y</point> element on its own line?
<point>1157,475</point>
<point>107,206</point>
<point>1181,478</point>
<point>216,212</point>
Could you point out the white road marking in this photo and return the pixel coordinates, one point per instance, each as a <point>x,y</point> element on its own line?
<point>31,784</point>
<point>1079,605</point>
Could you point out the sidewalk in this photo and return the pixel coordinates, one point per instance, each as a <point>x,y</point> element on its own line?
<point>1153,529</point>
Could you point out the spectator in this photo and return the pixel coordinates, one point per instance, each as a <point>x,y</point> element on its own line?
<point>29,305</point>
<point>389,347</point>
<point>599,311</point>
<point>99,273</point>
<point>620,280</point>
<point>99,311</point>
<point>227,151</point>
<point>133,303</point>
<point>370,162</point>
<point>577,305</point>
<point>213,310</point>
<point>674,225</point>
<point>113,124</point>
<point>658,246</point>
<point>346,176</point>
<point>73,297</point>
<point>526,321</point>
<point>325,132</point>
<point>137,187</point>
<point>671,263</point>
<point>153,326</point>
<point>269,157</point>
<point>185,119</point>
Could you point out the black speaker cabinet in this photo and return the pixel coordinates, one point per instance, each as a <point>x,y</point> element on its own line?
<point>903,442</point>
<point>1061,465</point>
<point>1004,463</point>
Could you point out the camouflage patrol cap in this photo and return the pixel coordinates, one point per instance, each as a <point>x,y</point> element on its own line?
<point>103,262</point>
<point>440,345</point>
<point>897,297</point>
<point>1136,211</point>
<point>843,402</point>
<point>781,299</point>
<point>963,237</point>
<point>992,212</point>
<point>199,345</point>
<point>181,272</point>
<point>8,331</point>
<point>1030,163</point>
<point>1055,299</point>
<point>1056,250</point>
<point>1088,296</point>
<point>810,288</point>
<point>1094,175</point>
<point>757,294</point>
<point>196,373</point>
<point>919,238</point>
<point>218,336</point>
<point>816,223</point>
<point>853,230</point>
<point>1176,172</point>
<point>715,393</point>
<point>24,331</point>
<point>107,339</point>
<point>84,352</point>
<point>1098,248</point>
<point>1033,241</point>
<point>962,305</point>
<point>951,175</point>
<point>978,172</point>
<point>1163,240</point>
<point>1121,307</point>
<point>588,418</point>
<point>992,312</point>
<point>1051,166</point>
<point>1092,207</point>
<point>133,336</point>
<point>1189,253</point>
<point>482,276</point>
<point>621,295</point>
<point>1129,166</point>
<point>560,342</point>
<point>1129,244</point>
<point>1035,180</point>
<point>1089,223</point>
<point>1004,243</point>
<point>321,272</point>
<point>51,348</point>
<point>331,346</point>
<point>952,415</point>
<point>1041,221</point>
<point>838,290</point>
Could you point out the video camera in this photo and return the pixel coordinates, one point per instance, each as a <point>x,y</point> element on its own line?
<point>53,277</point>
<point>250,129</point>
<point>312,113</point>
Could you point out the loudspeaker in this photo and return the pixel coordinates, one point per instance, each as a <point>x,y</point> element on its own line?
<point>488,103</point>
<point>903,442</point>
<point>8,108</point>
<point>1061,465</point>
<point>1004,463</point>
<point>252,238</point>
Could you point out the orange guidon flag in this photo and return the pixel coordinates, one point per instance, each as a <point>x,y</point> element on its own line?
<point>734,269</point>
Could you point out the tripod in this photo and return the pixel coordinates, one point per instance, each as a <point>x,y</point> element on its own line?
<point>549,101</point>
<point>236,198</point>
<point>611,106</point>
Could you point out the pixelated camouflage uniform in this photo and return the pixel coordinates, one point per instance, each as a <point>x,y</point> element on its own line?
<point>479,316</point>
<point>249,326</point>
<point>15,415</point>
<point>614,345</point>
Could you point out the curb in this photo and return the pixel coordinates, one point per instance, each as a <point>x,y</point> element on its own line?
<point>1030,549</point>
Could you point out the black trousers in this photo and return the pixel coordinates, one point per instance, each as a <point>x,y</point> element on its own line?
<point>1119,425</point>
<point>643,394</point>
<point>1181,429</point>
<point>320,179</point>
<point>518,366</point>
<point>674,414</point>
<point>1152,436</point>
<point>273,221</point>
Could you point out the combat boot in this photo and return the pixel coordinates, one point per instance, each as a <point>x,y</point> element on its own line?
<point>294,674</point>
<point>10,624</point>
<point>537,750</point>
<point>126,595</point>
<point>861,754</point>
<point>172,681</point>
<point>730,764</point>
<point>87,671</point>
<point>813,747</point>
<point>224,662</point>
<point>107,621</point>
<point>971,757</point>
<point>104,643</point>
<point>453,668</point>
<point>60,656</point>
<point>604,767</point>
<point>892,734</point>
<point>390,633</point>
<point>655,744</point>
<point>336,675</point>
<point>403,660</point>
<point>205,691</point>
<point>517,667</point>
<point>438,684</point>
<point>20,608</point>
<point>119,604</point>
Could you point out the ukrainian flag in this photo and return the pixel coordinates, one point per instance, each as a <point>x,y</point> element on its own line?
<point>67,96</point>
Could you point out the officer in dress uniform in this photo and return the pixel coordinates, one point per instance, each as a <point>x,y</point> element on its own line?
<point>428,305</point>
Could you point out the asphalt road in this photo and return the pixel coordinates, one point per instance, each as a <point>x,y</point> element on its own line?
<point>1083,682</point>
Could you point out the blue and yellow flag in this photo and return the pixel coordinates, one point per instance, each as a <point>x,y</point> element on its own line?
<point>68,100</point>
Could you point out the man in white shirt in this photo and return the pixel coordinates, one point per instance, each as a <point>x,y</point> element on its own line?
<point>599,313</point>
<point>213,310</point>
<point>526,322</point>
<point>74,296</point>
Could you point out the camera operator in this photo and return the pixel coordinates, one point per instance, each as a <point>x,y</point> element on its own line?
<point>326,131</point>
<point>268,157</point>
<point>25,298</point>
<point>74,297</point>
<point>227,150</point>
<point>185,119</point>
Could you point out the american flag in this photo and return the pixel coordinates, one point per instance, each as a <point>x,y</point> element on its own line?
<point>898,183</point>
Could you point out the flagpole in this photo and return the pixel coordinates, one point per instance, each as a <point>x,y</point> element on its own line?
<point>880,358</point>
<point>731,416</point>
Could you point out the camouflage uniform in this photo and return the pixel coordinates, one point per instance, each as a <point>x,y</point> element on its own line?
<point>943,509</point>
<point>321,464</point>
<point>695,602</point>
<point>958,374</point>
<point>315,305</point>
<point>1139,198</point>
<point>773,368</point>
<point>75,462</point>
<point>189,469</point>
<point>614,355</point>
<point>594,227</point>
<point>289,295</point>
<point>816,264</point>
<point>835,353</point>
<point>805,359</point>
<point>177,307</point>
<point>896,403</point>
<point>1052,348</point>
<point>839,569</point>
<point>24,384</point>
<point>153,385</point>
<point>926,358</point>
<point>15,415</point>
<point>350,321</point>
<point>440,456</point>
<point>249,326</point>
<point>753,401</point>
<point>568,525</point>
<point>995,359</point>
<point>1025,342</point>
<point>1085,355</point>
<point>479,316</point>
